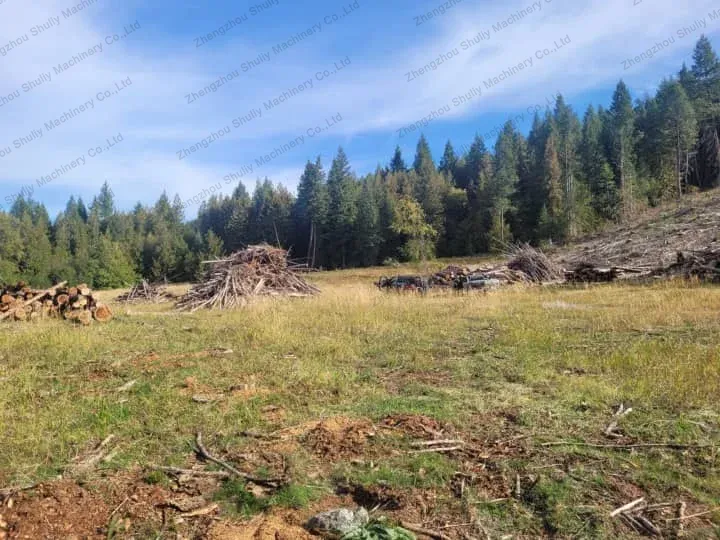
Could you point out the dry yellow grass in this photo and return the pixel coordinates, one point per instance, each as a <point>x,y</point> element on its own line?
<point>561,359</point>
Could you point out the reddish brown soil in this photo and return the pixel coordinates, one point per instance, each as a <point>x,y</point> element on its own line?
<point>339,437</point>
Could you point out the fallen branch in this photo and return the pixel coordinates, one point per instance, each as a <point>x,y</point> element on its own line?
<point>203,453</point>
<point>200,511</point>
<point>677,446</point>
<point>629,506</point>
<point>699,514</point>
<point>421,530</point>
<point>434,443</point>
<point>611,429</point>
<point>442,449</point>
<point>192,472</point>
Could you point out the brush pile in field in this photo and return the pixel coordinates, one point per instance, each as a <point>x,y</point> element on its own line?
<point>146,292</point>
<point>21,303</point>
<point>590,273</point>
<point>256,271</point>
<point>534,264</point>
<point>702,265</point>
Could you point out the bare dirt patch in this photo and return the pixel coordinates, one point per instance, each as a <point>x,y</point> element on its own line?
<point>285,526</point>
<point>339,437</point>
<point>65,509</point>
<point>414,425</point>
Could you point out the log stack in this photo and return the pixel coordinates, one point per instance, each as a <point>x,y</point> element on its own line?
<point>449,276</point>
<point>20,302</point>
<point>256,271</point>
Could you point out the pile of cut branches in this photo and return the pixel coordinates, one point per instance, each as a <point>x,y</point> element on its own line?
<point>19,302</point>
<point>703,265</point>
<point>146,292</point>
<point>256,271</point>
<point>534,264</point>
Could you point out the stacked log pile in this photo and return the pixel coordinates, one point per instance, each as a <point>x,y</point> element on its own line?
<point>448,277</point>
<point>146,292</point>
<point>256,271</point>
<point>22,303</point>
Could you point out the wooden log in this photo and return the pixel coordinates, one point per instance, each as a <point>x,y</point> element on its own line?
<point>72,314</point>
<point>7,299</point>
<point>19,314</point>
<point>84,290</point>
<point>62,299</point>
<point>102,313</point>
<point>73,291</point>
<point>84,317</point>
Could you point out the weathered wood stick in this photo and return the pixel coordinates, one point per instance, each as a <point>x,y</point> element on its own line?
<point>204,454</point>
<point>677,446</point>
<point>421,530</point>
<point>628,506</point>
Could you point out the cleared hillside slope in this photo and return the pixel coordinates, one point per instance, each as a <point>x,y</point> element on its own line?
<point>655,237</point>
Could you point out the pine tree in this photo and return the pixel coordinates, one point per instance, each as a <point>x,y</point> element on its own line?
<point>448,163</point>
<point>568,130</point>
<point>368,239</point>
<point>705,96</point>
<point>678,130</point>
<point>503,184</point>
<point>310,213</point>
<point>554,227</point>
<point>397,164</point>
<point>430,186</point>
<point>622,126</point>
<point>595,167</point>
<point>342,210</point>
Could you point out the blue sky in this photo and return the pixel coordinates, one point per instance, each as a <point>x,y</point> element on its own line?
<point>355,73</point>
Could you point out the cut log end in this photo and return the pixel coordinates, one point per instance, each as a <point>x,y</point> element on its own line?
<point>102,313</point>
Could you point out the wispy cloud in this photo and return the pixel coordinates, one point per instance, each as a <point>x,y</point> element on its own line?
<point>513,53</point>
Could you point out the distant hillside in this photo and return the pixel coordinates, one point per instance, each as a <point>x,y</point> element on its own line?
<point>655,237</point>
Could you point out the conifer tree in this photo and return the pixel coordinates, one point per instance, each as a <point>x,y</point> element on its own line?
<point>342,210</point>
<point>397,164</point>
<point>622,141</point>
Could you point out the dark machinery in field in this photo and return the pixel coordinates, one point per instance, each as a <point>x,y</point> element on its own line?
<point>416,284</point>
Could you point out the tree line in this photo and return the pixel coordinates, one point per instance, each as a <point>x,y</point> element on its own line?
<point>567,177</point>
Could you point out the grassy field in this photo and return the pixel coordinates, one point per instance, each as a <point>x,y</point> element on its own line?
<point>333,394</point>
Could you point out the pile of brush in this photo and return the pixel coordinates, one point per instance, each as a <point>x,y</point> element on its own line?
<point>146,292</point>
<point>702,265</point>
<point>20,302</point>
<point>256,271</point>
<point>534,264</point>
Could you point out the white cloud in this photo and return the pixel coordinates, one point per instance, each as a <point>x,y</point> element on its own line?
<point>372,94</point>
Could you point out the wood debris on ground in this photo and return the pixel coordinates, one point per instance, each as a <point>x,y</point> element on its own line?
<point>526,265</point>
<point>537,266</point>
<point>253,272</point>
<point>703,265</point>
<point>529,265</point>
<point>22,303</point>
<point>147,292</point>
